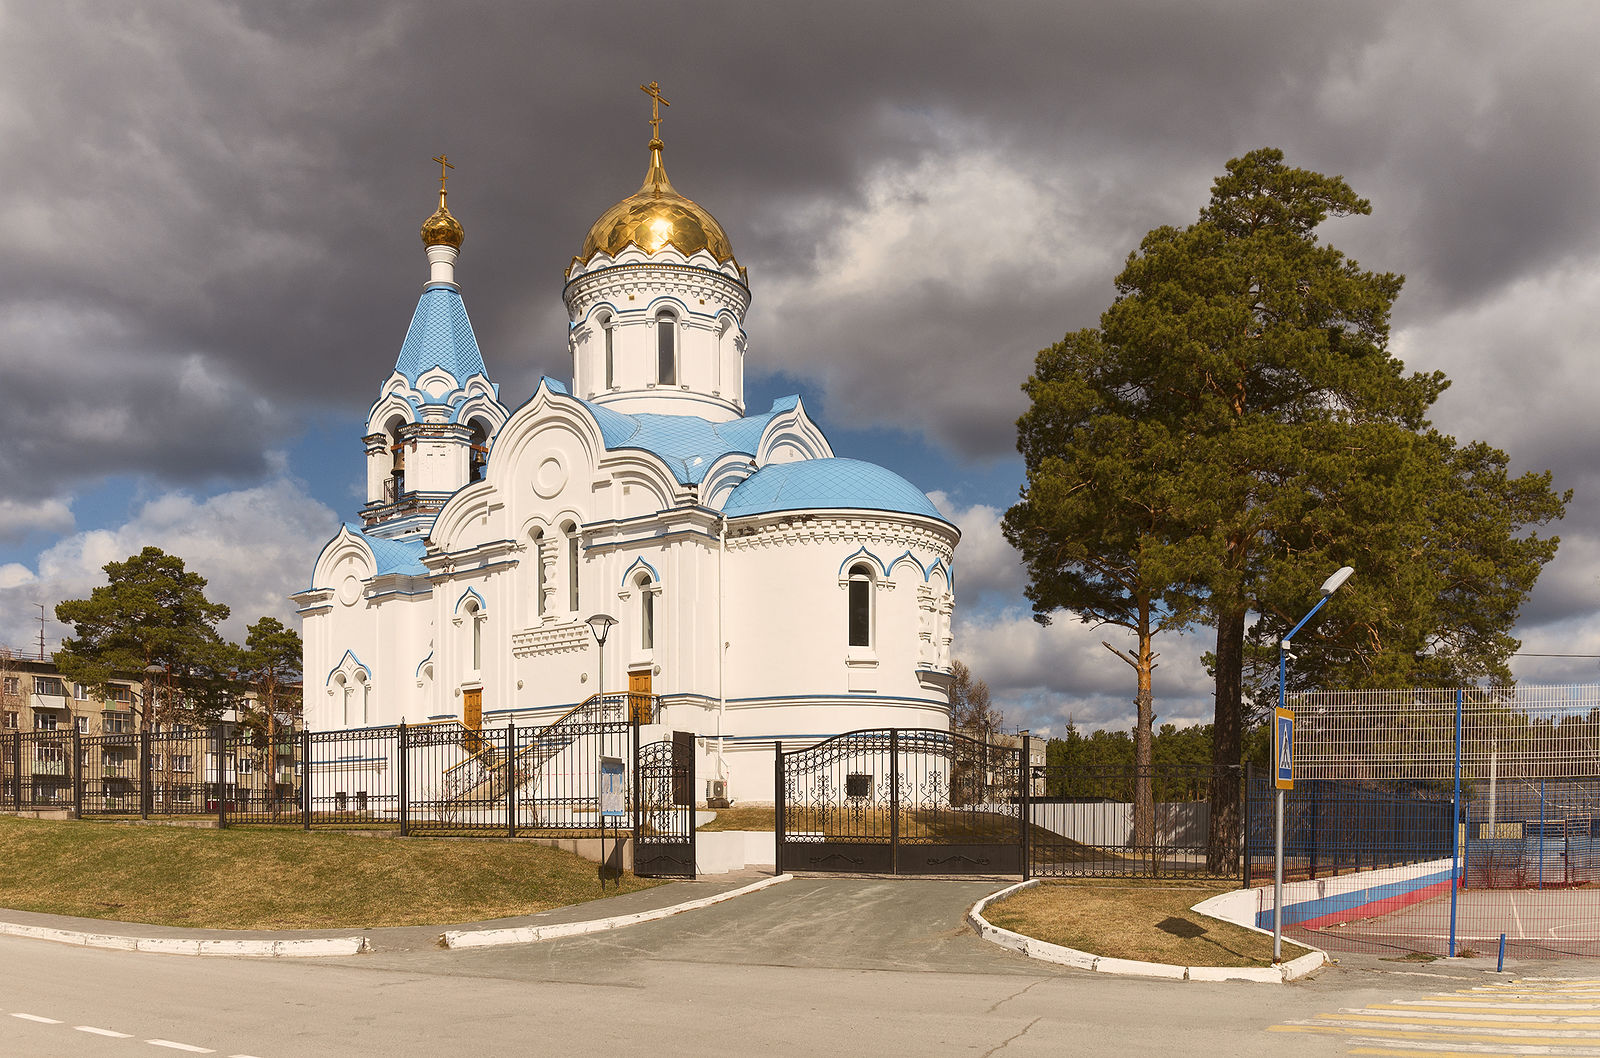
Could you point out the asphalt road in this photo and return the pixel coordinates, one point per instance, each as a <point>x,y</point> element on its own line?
<point>810,967</point>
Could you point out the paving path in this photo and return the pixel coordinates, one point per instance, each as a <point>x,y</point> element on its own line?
<point>812,966</point>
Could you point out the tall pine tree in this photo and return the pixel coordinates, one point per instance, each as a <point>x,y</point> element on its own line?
<point>1277,440</point>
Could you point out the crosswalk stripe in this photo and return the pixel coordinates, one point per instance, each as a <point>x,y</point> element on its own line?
<point>1434,1034</point>
<point>1548,1017</point>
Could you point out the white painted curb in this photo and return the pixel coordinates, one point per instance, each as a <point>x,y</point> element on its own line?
<point>314,946</point>
<point>485,938</point>
<point>1082,960</point>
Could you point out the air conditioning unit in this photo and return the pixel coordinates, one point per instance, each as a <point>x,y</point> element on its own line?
<point>716,793</point>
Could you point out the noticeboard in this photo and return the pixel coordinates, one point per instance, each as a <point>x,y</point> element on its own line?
<point>613,787</point>
<point>1283,748</point>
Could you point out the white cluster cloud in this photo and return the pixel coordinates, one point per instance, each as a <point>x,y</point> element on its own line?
<point>254,546</point>
<point>19,517</point>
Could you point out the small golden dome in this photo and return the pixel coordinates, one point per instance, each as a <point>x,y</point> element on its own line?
<point>656,216</point>
<point>442,229</point>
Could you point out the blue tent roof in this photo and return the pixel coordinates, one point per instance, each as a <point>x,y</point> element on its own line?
<point>440,336</point>
<point>395,556</point>
<point>827,484</point>
<point>686,443</point>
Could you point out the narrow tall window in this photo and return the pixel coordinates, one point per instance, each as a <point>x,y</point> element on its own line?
<point>538,567</point>
<point>647,613</point>
<point>860,606</point>
<point>478,458</point>
<point>611,352</point>
<point>572,566</point>
<point>397,469</point>
<point>477,635</point>
<point>666,349</point>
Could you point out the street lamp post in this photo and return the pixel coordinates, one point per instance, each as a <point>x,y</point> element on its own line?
<point>1329,586</point>
<point>600,624</point>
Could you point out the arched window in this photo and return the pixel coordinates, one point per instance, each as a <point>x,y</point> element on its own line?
<point>571,532</point>
<point>366,696</point>
<point>397,452</point>
<point>666,348</point>
<point>541,579</point>
<point>607,325</point>
<point>476,617</point>
<point>344,699</point>
<point>724,341</point>
<point>861,605</point>
<point>647,612</point>
<point>478,457</point>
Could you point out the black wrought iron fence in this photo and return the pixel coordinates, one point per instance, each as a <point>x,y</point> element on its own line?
<point>424,778</point>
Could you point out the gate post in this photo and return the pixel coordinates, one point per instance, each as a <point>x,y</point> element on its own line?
<point>778,807</point>
<point>305,779</point>
<point>1024,804</point>
<point>77,774</point>
<point>638,786</point>
<point>405,783</point>
<point>894,800</point>
<point>511,778</point>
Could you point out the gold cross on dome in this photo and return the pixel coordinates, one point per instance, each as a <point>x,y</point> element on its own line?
<point>657,101</point>
<point>444,163</point>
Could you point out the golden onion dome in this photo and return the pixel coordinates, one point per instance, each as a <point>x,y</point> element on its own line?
<point>442,229</point>
<point>656,216</point>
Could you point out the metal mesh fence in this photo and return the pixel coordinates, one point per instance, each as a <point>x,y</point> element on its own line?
<point>1527,733</point>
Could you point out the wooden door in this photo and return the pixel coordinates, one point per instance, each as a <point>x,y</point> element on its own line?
<point>472,708</point>
<point>639,700</point>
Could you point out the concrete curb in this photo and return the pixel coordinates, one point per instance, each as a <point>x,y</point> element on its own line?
<point>486,938</point>
<point>1082,960</point>
<point>309,947</point>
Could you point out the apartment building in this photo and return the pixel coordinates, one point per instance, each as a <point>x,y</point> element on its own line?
<point>185,767</point>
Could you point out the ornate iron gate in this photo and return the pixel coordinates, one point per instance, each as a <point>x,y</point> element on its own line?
<point>664,808</point>
<point>901,801</point>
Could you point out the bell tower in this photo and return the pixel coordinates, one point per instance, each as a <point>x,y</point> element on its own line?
<point>429,433</point>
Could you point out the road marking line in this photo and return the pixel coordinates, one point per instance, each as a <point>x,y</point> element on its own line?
<point>35,1017</point>
<point>1394,1052</point>
<point>1429,1018</point>
<point>181,1046</point>
<point>104,1032</point>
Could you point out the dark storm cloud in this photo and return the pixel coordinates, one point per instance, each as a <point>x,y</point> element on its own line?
<point>239,186</point>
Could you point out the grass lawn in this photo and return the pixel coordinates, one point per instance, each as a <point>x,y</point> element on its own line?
<point>1128,920</point>
<point>281,878</point>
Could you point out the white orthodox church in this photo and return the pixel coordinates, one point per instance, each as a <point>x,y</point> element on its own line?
<point>764,587</point>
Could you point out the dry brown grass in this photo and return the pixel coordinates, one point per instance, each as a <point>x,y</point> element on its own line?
<point>281,879</point>
<point>1132,920</point>
<point>743,817</point>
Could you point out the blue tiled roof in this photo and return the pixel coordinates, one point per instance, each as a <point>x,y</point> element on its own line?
<point>686,443</point>
<point>827,484</point>
<point>440,336</point>
<point>395,556</point>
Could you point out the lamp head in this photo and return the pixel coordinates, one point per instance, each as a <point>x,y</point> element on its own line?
<point>1341,575</point>
<point>600,624</point>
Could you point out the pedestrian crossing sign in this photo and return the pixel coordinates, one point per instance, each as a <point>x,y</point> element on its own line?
<point>1283,748</point>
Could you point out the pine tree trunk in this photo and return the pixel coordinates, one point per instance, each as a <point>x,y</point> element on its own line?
<point>1222,845</point>
<point>1144,806</point>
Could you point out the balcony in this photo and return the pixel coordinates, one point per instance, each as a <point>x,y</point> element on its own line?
<point>50,767</point>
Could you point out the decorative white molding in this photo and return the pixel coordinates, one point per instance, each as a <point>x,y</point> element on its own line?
<point>559,639</point>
